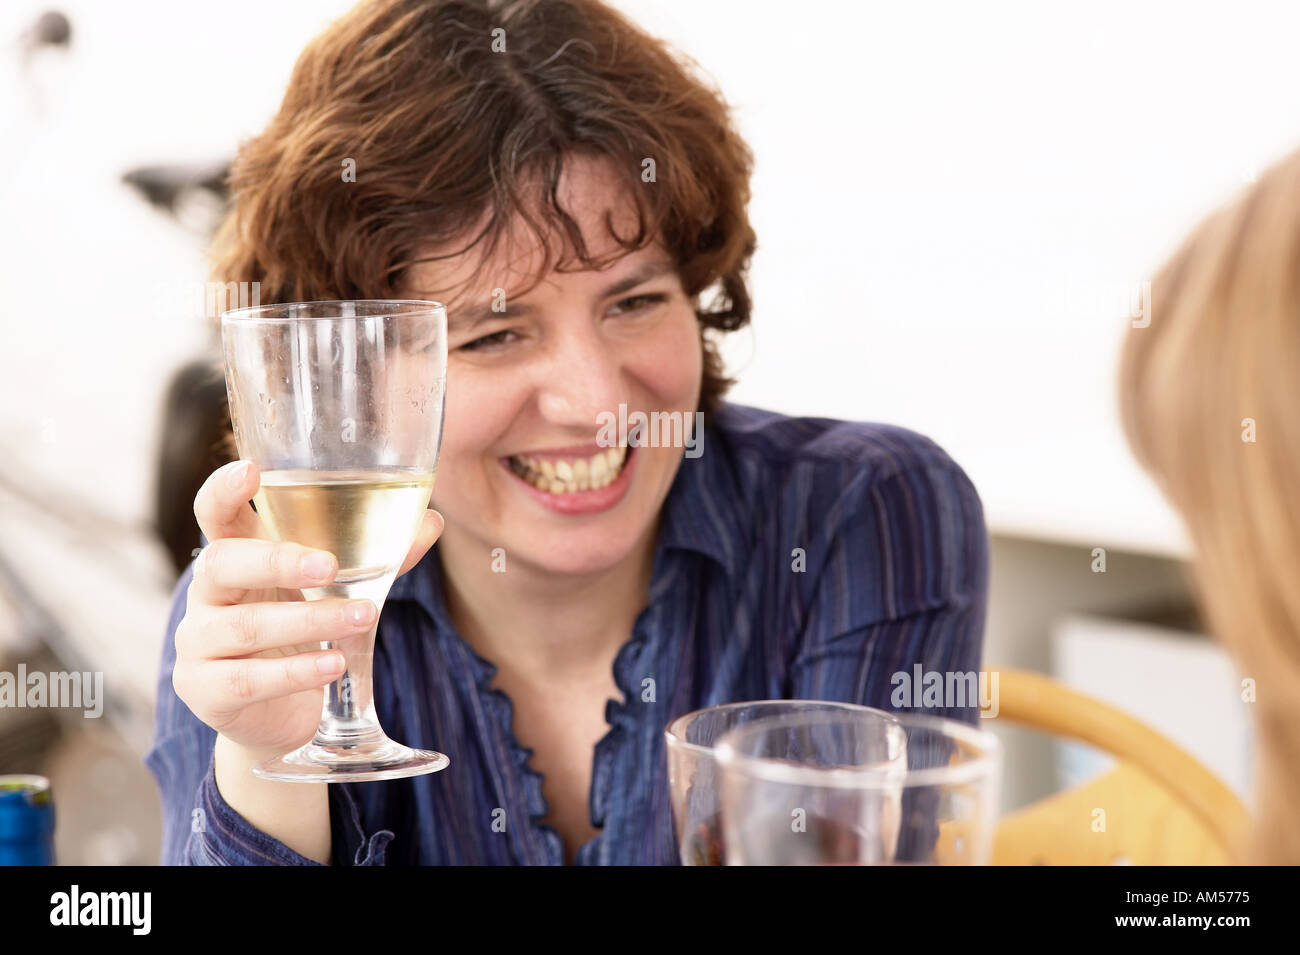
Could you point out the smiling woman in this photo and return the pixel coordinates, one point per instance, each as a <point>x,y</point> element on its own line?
<point>577,197</point>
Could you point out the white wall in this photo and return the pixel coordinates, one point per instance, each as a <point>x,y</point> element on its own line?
<point>954,201</point>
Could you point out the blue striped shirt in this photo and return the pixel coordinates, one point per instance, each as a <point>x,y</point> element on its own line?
<point>798,558</point>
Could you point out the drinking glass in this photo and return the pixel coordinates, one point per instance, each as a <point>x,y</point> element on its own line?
<point>693,772</point>
<point>340,406</point>
<point>811,789</point>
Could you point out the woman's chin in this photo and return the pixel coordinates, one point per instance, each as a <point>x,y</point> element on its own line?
<point>576,554</point>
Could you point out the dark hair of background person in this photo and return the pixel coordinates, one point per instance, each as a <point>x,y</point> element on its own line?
<point>459,116</point>
<point>191,447</point>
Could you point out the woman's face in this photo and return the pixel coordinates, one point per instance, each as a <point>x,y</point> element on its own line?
<point>531,380</point>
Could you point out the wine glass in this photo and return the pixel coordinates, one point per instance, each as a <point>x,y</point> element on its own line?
<point>340,406</point>
<point>827,788</point>
<point>693,772</point>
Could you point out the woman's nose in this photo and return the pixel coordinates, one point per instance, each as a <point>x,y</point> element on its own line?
<point>582,380</point>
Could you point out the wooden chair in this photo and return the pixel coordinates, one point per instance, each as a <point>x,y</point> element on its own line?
<point>1162,807</point>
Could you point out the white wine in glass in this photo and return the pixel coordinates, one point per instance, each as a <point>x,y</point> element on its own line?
<point>339,404</point>
<point>367,519</point>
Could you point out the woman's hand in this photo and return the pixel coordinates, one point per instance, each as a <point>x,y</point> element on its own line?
<point>248,657</point>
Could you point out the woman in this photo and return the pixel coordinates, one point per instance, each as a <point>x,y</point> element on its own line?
<point>578,200</point>
<point>1210,396</point>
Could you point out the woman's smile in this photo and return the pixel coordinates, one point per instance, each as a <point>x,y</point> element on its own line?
<point>574,480</point>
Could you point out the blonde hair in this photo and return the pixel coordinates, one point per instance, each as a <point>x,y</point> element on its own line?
<point>1210,400</point>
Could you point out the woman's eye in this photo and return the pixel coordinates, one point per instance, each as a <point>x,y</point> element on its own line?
<point>487,342</point>
<point>637,303</point>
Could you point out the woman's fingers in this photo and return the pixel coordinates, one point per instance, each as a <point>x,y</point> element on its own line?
<point>430,529</point>
<point>221,506</point>
<point>227,686</point>
<point>228,568</point>
<point>245,629</point>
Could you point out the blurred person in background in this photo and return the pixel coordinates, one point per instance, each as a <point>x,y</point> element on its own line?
<point>1210,394</point>
<point>554,157</point>
<point>190,447</point>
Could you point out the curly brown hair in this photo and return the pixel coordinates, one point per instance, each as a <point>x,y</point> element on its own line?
<point>459,116</point>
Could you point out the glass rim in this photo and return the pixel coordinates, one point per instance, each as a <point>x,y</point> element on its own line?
<point>675,738</point>
<point>248,313</point>
<point>983,764</point>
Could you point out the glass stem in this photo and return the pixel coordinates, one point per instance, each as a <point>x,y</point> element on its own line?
<point>348,715</point>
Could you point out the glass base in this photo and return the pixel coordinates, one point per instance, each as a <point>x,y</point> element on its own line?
<point>319,762</point>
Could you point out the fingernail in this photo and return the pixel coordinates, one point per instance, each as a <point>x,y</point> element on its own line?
<point>361,612</point>
<point>317,566</point>
<point>330,664</point>
<point>237,474</point>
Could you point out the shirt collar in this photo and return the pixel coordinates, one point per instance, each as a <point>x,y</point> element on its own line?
<point>703,510</point>
<point>702,513</point>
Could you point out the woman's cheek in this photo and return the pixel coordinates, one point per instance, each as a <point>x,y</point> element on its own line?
<point>670,361</point>
<point>456,425</point>
<point>477,412</point>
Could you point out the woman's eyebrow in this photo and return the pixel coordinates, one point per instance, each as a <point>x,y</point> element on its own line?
<point>467,318</point>
<point>650,270</point>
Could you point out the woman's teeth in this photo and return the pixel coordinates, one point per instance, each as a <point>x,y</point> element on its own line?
<point>567,475</point>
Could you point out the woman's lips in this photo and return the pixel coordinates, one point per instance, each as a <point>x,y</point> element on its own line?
<point>561,464</point>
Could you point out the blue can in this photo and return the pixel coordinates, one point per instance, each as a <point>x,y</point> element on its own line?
<point>26,821</point>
